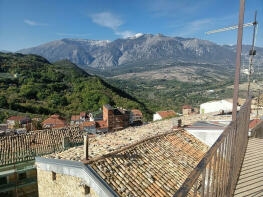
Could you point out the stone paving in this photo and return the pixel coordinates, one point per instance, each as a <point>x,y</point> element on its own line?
<point>250,181</point>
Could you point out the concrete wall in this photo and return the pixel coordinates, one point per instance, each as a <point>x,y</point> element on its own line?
<point>156,117</point>
<point>206,136</point>
<point>216,106</point>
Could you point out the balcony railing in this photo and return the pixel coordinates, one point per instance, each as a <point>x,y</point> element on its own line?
<point>217,173</point>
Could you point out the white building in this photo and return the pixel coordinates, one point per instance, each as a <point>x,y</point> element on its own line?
<point>163,115</point>
<point>216,106</point>
<point>207,132</point>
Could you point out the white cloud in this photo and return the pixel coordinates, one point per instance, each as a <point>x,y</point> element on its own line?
<point>193,27</point>
<point>74,35</point>
<point>33,23</point>
<point>107,19</point>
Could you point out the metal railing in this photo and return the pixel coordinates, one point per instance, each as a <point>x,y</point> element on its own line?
<point>217,173</point>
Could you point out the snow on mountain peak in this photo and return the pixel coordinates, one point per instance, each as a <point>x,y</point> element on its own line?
<point>136,36</point>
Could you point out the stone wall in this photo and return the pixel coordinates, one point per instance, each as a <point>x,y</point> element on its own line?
<point>59,185</point>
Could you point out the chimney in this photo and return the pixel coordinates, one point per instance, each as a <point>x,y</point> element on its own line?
<point>65,142</point>
<point>179,123</point>
<point>86,147</point>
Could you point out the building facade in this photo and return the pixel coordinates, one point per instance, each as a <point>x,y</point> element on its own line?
<point>136,116</point>
<point>21,121</point>
<point>187,110</point>
<point>116,119</point>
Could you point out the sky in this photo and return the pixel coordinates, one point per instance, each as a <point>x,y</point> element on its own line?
<point>28,23</point>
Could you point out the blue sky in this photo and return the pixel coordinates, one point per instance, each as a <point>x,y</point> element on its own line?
<point>28,23</point>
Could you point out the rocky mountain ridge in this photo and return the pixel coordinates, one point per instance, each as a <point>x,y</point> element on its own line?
<point>141,49</point>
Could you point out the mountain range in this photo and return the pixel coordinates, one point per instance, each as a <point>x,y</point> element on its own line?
<point>141,49</point>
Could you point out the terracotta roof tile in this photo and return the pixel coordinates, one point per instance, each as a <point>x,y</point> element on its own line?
<point>82,114</point>
<point>253,123</point>
<point>136,112</point>
<point>87,124</point>
<point>153,166</point>
<point>24,147</point>
<point>101,124</point>
<point>187,107</point>
<point>55,120</point>
<point>166,114</point>
<point>75,117</point>
<point>17,118</point>
<point>103,144</point>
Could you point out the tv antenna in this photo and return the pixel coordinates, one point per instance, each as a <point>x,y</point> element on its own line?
<point>252,52</point>
<point>238,51</point>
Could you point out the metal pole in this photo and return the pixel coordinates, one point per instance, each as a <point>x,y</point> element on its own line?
<point>238,58</point>
<point>258,102</point>
<point>86,147</point>
<point>252,53</point>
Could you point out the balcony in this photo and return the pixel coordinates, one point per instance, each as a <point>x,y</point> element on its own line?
<point>232,166</point>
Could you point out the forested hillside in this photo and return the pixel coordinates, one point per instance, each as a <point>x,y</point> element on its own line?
<point>30,84</point>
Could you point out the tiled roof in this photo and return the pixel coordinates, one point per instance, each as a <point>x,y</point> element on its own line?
<point>136,112</point>
<point>87,124</point>
<point>82,114</point>
<point>166,114</point>
<point>106,143</point>
<point>55,120</point>
<point>156,166</point>
<point>75,117</point>
<point>24,147</point>
<point>187,107</point>
<point>17,118</point>
<point>55,116</point>
<point>101,124</point>
<point>253,123</point>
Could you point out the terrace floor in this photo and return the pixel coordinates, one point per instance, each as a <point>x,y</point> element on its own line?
<point>250,181</point>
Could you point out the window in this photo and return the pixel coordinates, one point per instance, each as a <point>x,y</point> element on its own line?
<point>87,189</point>
<point>3,180</point>
<point>54,176</point>
<point>21,176</point>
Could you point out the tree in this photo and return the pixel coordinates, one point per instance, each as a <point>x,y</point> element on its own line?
<point>3,102</point>
<point>28,91</point>
<point>56,99</point>
<point>36,125</point>
<point>17,125</point>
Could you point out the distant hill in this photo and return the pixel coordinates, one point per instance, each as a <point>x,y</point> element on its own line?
<point>31,84</point>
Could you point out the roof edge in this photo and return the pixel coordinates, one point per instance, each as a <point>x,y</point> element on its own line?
<point>77,169</point>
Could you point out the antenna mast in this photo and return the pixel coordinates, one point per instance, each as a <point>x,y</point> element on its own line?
<point>252,53</point>
<point>238,52</point>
